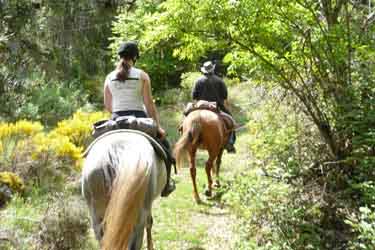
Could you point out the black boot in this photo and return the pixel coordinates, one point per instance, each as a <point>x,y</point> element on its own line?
<point>230,145</point>
<point>170,185</point>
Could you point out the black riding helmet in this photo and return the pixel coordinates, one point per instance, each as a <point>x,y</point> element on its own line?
<point>128,50</point>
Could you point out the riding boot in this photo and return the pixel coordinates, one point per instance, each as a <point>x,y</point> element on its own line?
<point>230,145</point>
<point>170,185</point>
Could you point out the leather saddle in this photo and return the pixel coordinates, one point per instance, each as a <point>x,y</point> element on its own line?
<point>145,125</point>
<point>131,124</point>
<point>229,122</point>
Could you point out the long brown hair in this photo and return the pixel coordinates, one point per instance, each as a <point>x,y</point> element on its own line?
<point>123,68</point>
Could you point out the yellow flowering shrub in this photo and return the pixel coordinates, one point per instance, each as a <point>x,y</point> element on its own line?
<point>79,128</point>
<point>58,147</point>
<point>13,181</point>
<point>33,154</point>
<point>21,128</point>
<point>13,134</point>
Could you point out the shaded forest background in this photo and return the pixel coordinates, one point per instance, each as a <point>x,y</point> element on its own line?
<point>309,67</point>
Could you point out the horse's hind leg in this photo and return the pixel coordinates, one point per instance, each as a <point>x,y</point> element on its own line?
<point>96,195</point>
<point>217,169</point>
<point>209,165</point>
<point>193,173</point>
<point>150,245</point>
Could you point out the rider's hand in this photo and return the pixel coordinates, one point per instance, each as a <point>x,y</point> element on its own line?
<point>162,133</point>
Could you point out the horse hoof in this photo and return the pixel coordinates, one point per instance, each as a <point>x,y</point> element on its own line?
<point>208,193</point>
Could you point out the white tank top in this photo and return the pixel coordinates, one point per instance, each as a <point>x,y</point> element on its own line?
<point>126,95</point>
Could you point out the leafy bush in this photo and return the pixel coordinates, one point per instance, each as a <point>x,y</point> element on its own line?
<point>281,205</point>
<point>10,183</point>
<point>12,180</point>
<point>78,128</point>
<point>187,83</point>
<point>51,102</point>
<point>168,97</point>
<point>64,226</point>
<point>273,215</point>
<point>30,152</point>
<point>363,225</point>
<point>13,135</point>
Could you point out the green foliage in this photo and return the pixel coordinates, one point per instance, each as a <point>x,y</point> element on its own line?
<point>61,40</point>
<point>50,102</point>
<point>156,57</point>
<point>273,215</point>
<point>187,83</point>
<point>363,225</point>
<point>64,226</point>
<point>277,210</point>
<point>321,55</point>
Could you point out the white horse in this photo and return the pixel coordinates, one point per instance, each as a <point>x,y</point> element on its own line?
<point>122,176</point>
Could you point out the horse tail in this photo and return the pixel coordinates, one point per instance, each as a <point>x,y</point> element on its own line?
<point>189,137</point>
<point>127,198</point>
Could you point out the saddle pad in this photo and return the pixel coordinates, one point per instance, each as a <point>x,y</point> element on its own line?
<point>146,125</point>
<point>206,105</point>
<point>157,147</point>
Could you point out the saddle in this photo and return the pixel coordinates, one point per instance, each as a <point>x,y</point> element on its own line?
<point>206,105</point>
<point>229,123</point>
<point>145,125</point>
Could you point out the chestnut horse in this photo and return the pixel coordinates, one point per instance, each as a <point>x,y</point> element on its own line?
<point>121,177</point>
<point>202,129</point>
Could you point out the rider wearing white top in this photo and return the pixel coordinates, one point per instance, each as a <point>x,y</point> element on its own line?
<point>127,91</point>
<point>126,95</point>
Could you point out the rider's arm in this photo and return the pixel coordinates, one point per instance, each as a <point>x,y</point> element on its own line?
<point>196,92</point>
<point>107,98</point>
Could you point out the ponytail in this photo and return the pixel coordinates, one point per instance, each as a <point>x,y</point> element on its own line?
<point>122,70</point>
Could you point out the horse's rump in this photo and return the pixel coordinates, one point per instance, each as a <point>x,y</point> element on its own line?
<point>121,177</point>
<point>200,129</point>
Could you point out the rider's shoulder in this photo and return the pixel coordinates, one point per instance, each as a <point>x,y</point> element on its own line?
<point>111,76</point>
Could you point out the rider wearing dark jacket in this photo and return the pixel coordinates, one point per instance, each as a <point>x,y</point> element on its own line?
<point>210,87</point>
